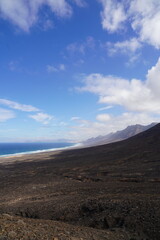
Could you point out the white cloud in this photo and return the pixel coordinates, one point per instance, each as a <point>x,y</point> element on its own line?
<point>18,106</point>
<point>6,115</point>
<point>133,95</point>
<point>142,16</point>
<point>103,117</point>
<point>42,117</point>
<point>153,80</point>
<point>127,47</point>
<point>39,117</point>
<point>24,14</point>
<point>113,15</point>
<point>146,20</point>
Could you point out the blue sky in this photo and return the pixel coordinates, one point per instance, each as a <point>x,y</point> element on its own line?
<point>76,69</point>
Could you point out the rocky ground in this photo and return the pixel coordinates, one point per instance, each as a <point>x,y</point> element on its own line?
<point>21,228</point>
<point>107,192</point>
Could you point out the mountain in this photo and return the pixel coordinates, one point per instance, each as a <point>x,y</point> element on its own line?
<point>102,192</point>
<point>119,135</point>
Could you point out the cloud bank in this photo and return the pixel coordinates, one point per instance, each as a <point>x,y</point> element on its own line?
<point>134,95</point>
<point>107,123</point>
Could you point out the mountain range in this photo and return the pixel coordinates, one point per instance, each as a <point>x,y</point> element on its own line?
<point>128,132</point>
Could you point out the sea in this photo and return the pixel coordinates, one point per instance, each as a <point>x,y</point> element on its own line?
<point>10,149</point>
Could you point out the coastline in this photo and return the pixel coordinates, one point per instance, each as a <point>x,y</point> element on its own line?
<point>35,154</point>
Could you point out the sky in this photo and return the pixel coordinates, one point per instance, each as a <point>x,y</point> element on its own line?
<point>77,69</point>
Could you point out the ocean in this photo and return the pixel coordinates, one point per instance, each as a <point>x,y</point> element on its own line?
<point>7,149</point>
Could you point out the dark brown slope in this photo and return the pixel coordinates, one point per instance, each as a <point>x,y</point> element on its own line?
<point>114,188</point>
<point>139,155</point>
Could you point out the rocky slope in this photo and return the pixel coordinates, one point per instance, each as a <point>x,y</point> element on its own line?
<point>105,192</point>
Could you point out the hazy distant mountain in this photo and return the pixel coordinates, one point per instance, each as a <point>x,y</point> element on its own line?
<point>128,132</point>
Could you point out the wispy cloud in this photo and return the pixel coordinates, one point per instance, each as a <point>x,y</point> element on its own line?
<point>48,24</point>
<point>39,116</point>
<point>80,3</point>
<point>105,108</point>
<point>142,16</point>
<point>13,65</point>
<point>81,47</point>
<point>42,117</point>
<point>6,115</point>
<point>127,47</point>
<point>62,67</point>
<point>52,68</point>
<point>75,47</point>
<point>130,48</point>
<point>18,106</point>
<point>75,118</point>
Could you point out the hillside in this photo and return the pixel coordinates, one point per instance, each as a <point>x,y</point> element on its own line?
<point>106,192</point>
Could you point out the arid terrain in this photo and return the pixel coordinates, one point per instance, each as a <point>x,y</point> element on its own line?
<point>108,192</point>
